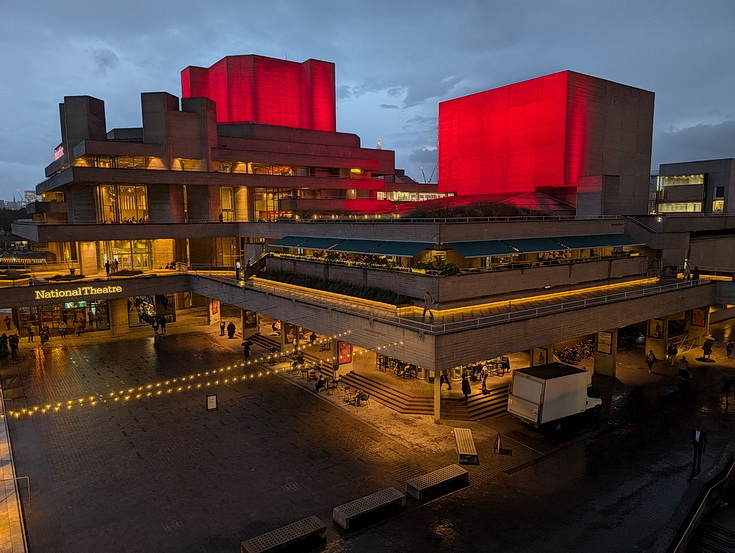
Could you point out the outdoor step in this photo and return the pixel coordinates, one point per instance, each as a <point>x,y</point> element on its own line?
<point>715,539</point>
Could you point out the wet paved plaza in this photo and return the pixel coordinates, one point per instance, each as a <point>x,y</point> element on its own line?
<point>162,473</point>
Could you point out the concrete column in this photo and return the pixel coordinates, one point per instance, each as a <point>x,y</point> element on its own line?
<point>241,204</point>
<point>118,311</point>
<point>437,397</point>
<point>542,355</point>
<point>698,322</point>
<point>656,337</point>
<point>606,352</point>
<point>214,313</point>
<point>87,258</point>
<point>243,321</point>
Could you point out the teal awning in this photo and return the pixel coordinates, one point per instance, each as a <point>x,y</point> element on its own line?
<point>535,245</point>
<point>355,246</point>
<point>320,243</point>
<point>400,249</point>
<point>481,248</point>
<point>615,240</point>
<point>578,242</point>
<point>289,241</point>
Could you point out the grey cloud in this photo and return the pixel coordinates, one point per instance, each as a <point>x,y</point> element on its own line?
<point>425,154</point>
<point>105,59</point>
<point>389,106</point>
<point>344,92</point>
<point>695,143</point>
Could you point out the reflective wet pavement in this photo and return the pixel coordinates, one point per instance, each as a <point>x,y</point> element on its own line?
<point>161,473</point>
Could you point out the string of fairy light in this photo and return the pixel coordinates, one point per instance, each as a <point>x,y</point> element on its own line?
<point>195,381</point>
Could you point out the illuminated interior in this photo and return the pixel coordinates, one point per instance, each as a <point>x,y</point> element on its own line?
<point>118,203</point>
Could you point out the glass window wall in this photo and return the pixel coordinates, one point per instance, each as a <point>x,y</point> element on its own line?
<point>122,203</point>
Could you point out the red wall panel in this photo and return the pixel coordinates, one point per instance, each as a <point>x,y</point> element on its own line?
<point>266,90</point>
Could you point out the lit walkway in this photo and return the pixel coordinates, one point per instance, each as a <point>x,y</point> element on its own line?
<point>477,315</point>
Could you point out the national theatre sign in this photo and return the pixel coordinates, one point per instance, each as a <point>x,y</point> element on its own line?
<point>77,292</point>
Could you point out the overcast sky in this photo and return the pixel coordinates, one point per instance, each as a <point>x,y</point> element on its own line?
<point>395,61</point>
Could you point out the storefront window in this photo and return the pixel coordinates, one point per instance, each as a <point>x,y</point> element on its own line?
<point>131,255</point>
<point>142,310</point>
<point>84,316</point>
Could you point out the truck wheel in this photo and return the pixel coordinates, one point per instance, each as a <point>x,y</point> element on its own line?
<point>596,411</point>
<point>558,426</point>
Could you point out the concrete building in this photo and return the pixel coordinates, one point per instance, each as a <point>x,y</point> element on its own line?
<point>264,217</point>
<point>696,187</point>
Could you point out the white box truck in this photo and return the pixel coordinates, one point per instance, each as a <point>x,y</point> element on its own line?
<point>548,394</point>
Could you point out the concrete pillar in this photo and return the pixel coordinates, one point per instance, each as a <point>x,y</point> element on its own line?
<point>656,337</point>
<point>214,313</point>
<point>606,352</point>
<point>118,311</point>
<point>698,322</point>
<point>243,320</point>
<point>542,355</point>
<point>87,258</point>
<point>437,397</point>
<point>241,204</point>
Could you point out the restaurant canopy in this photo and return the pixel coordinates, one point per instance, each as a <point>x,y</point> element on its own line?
<point>535,245</point>
<point>481,248</point>
<point>397,248</point>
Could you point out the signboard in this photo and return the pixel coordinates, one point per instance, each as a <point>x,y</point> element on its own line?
<point>656,328</point>
<point>699,317</point>
<point>45,294</point>
<point>212,402</point>
<point>604,342</point>
<point>215,307</point>
<point>344,352</point>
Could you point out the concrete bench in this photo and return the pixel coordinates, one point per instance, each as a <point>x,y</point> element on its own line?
<point>343,514</point>
<point>466,447</point>
<point>311,528</point>
<point>441,478</point>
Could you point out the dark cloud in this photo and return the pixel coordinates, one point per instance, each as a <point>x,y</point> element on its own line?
<point>426,154</point>
<point>389,106</point>
<point>695,143</point>
<point>105,59</point>
<point>344,92</point>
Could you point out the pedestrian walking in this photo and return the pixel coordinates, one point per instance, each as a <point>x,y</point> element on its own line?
<point>466,389</point>
<point>699,443</point>
<point>62,329</point>
<point>221,328</point>
<point>7,321</point>
<point>231,330</point>
<point>444,379</point>
<point>246,350</point>
<point>107,268</point>
<point>30,333</point>
<point>155,325</point>
<point>428,302</point>
<point>729,347</point>
<point>695,273</point>
<point>671,354</point>
<point>162,324</point>
<point>14,342</point>
<point>707,348</point>
<point>687,274</point>
<point>650,360</point>
<point>116,265</point>
<point>683,367</point>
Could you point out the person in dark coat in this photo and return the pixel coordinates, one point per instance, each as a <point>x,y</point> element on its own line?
<point>466,389</point>
<point>231,330</point>
<point>699,442</point>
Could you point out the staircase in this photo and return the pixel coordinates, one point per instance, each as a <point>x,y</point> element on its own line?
<point>713,538</point>
<point>390,397</point>
<point>494,403</point>
<point>478,406</point>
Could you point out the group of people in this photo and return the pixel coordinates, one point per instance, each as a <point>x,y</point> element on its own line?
<point>9,346</point>
<point>690,274</point>
<point>231,328</point>
<point>112,266</point>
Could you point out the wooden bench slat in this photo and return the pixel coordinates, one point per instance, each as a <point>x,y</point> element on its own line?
<point>466,446</point>
<point>311,526</point>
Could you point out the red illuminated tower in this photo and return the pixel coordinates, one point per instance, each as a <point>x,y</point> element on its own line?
<point>565,130</point>
<point>257,89</point>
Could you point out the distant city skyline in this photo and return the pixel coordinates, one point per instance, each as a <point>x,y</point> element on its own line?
<point>394,62</point>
